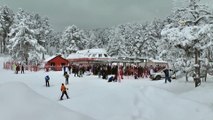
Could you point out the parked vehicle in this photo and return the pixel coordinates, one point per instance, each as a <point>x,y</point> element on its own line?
<point>160,74</point>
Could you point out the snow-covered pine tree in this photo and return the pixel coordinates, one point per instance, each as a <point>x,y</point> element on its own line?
<point>53,43</point>
<point>73,39</point>
<point>152,38</point>
<point>102,37</point>
<point>23,42</point>
<point>116,45</point>
<point>140,41</point>
<point>6,20</point>
<point>131,33</point>
<point>188,32</point>
<point>91,39</point>
<point>42,30</point>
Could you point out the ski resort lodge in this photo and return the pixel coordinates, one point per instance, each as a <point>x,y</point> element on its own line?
<point>100,56</point>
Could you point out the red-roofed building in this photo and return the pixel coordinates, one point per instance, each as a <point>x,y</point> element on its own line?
<point>55,63</point>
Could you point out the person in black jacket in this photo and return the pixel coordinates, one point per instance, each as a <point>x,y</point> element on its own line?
<point>22,69</point>
<point>167,76</point>
<point>47,79</point>
<point>66,75</point>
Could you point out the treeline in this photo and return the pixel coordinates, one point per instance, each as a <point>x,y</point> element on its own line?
<point>183,38</point>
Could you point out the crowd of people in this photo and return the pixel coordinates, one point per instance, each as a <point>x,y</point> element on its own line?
<point>18,67</point>
<point>119,71</point>
<point>111,73</point>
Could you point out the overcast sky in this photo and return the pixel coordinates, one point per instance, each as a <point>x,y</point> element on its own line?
<point>95,13</point>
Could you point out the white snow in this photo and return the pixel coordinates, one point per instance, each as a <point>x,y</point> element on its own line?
<point>159,61</point>
<point>24,96</point>
<point>93,51</point>
<point>49,58</point>
<point>75,55</point>
<point>19,102</point>
<point>89,53</point>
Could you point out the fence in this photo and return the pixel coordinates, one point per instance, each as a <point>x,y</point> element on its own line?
<point>12,66</point>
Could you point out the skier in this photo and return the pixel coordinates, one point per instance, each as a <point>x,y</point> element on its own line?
<point>66,75</point>
<point>47,78</point>
<point>64,91</point>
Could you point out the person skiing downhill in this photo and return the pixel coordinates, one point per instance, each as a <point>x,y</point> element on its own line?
<point>64,91</point>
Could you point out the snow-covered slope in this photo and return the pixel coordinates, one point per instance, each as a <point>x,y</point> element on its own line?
<point>158,104</point>
<point>19,102</point>
<point>24,96</point>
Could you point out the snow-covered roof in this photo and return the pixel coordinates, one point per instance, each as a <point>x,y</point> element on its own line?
<point>159,61</point>
<point>89,53</point>
<point>50,58</point>
<point>75,55</point>
<point>92,51</point>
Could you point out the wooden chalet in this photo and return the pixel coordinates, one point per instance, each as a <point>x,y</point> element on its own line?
<point>55,63</point>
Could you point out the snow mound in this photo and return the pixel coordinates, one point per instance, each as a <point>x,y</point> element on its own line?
<point>157,104</point>
<point>19,102</point>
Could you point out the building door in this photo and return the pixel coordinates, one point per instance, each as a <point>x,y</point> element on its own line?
<point>52,64</point>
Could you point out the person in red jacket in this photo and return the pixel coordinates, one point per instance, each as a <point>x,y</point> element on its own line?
<point>64,91</point>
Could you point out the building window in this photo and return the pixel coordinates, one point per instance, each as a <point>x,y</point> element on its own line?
<point>99,55</point>
<point>105,55</point>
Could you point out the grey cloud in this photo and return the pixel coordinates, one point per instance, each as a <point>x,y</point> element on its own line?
<point>94,13</point>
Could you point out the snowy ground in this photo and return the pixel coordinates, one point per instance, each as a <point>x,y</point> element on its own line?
<point>24,96</point>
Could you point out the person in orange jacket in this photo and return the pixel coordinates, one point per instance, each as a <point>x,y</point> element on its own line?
<point>64,91</point>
